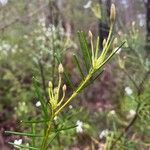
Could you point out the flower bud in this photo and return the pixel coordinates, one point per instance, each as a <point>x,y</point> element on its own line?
<point>50,84</point>
<point>104,42</point>
<point>90,34</point>
<point>64,87</point>
<point>112,13</point>
<point>60,68</point>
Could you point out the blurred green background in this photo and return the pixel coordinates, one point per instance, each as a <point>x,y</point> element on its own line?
<point>32,32</point>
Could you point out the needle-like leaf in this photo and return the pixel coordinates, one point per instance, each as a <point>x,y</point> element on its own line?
<point>76,61</point>
<point>85,50</point>
<point>23,146</point>
<point>23,134</point>
<point>40,98</point>
<point>35,121</point>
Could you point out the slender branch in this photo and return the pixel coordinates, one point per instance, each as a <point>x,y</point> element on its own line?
<point>43,78</point>
<point>76,91</point>
<point>128,127</point>
<point>131,79</point>
<point>142,82</point>
<point>132,122</point>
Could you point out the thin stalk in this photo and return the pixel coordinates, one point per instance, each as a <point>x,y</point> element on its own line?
<point>107,42</point>
<point>97,47</point>
<point>33,132</point>
<point>75,93</point>
<point>45,139</point>
<point>43,78</point>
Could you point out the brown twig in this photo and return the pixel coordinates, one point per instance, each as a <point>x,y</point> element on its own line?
<point>134,119</point>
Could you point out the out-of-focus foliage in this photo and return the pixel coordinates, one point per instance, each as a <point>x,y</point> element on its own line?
<point>106,109</point>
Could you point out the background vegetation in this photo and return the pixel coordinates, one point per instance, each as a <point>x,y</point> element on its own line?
<point>114,110</point>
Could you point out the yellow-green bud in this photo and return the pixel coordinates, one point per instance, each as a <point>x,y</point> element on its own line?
<point>112,13</point>
<point>50,84</point>
<point>60,68</point>
<point>64,87</point>
<point>104,42</point>
<point>90,34</point>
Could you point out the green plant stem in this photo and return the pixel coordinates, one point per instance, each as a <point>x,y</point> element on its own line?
<point>104,52</point>
<point>75,93</point>
<point>33,131</point>
<point>44,142</point>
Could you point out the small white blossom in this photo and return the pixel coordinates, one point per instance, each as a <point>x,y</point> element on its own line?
<point>3,2</point>
<point>38,104</point>
<point>79,128</point>
<point>88,4</point>
<point>131,114</point>
<point>112,112</point>
<point>18,142</point>
<point>104,133</point>
<point>70,107</point>
<point>128,90</point>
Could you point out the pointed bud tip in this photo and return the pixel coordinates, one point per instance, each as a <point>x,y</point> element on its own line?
<point>104,42</point>
<point>90,34</point>
<point>60,68</point>
<point>50,84</point>
<point>64,87</point>
<point>112,13</point>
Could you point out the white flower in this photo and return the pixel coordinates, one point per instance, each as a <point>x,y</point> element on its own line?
<point>112,112</point>
<point>104,133</point>
<point>18,142</point>
<point>128,90</point>
<point>3,2</point>
<point>38,104</point>
<point>131,114</point>
<point>79,128</point>
<point>88,4</point>
<point>70,107</point>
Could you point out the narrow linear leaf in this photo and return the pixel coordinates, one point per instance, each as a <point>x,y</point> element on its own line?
<point>76,61</point>
<point>58,131</point>
<point>96,77</point>
<point>33,132</point>
<point>51,140</point>
<point>35,121</point>
<point>92,80</point>
<point>23,146</point>
<point>97,47</point>
<point>85,51</point>
<point>67,128</point>
<point>68,80</point>
<point>40,98</point>
<point>110,56</point>
<point>23,134</point>
<point>85,44</point>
